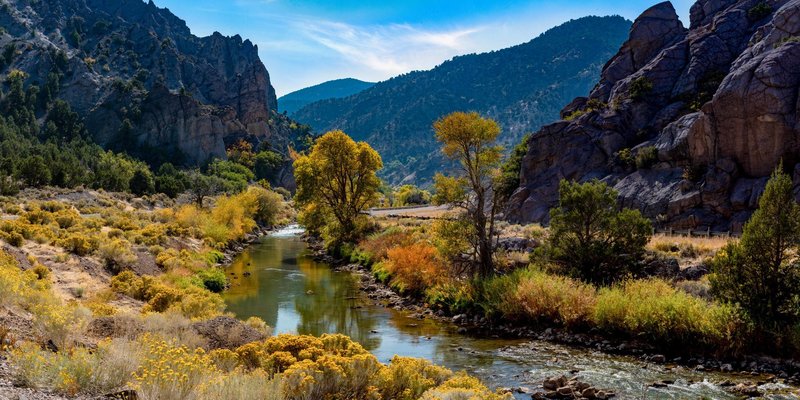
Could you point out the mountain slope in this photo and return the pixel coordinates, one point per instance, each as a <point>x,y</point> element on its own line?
<point>686,124</point>
<point>335,89</point>
<point>140,79</point>
<point>522,87</point>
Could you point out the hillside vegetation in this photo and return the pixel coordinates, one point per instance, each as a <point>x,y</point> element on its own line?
<point>521,87</point>
<point>335,89</point>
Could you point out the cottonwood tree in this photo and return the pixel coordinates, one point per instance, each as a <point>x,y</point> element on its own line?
<point>336,182</point>
<point>470,139</point>
<point>761,272</point>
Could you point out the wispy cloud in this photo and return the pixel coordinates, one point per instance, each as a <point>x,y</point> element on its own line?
<point>392,49</point>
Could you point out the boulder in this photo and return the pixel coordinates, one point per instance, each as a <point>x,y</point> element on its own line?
<point>693,272</point>
<point>666,268</point>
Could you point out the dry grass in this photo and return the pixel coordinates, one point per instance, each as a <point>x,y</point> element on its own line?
<point>687,247</point>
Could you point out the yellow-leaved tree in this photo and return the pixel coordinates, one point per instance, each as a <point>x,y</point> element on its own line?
<point>336,181</point>
<point>470,139</point>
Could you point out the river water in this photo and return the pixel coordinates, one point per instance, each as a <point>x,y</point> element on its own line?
<point>295,294</point>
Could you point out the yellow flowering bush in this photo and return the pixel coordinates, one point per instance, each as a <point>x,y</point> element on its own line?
<point>463,387</point>
<point>168,372</point>
<point>161,296</point>
<point>78,370</point>
<point>407,378</point>
<point>331,375</point>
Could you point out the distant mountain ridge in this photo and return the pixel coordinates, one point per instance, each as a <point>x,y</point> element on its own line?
<point>522,87</point>
<point>335,89</point>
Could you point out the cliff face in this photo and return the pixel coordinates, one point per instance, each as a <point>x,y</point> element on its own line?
<point>129,60</point>
<point>686,124</point>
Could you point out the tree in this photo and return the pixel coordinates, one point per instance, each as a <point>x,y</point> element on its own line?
<point>591,237</point>
<point>242,153</point>
<point>33,170</point>
<point>470,139</point>
<point>762,271</point>
<point>508,181</point>
<point>114,172</point>
<point>411,195</point>
<point>336,182</point>
<point>267,165</point>
<point>142,182</point>
<point>201,186</point>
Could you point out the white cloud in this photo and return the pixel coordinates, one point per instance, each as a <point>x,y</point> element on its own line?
<point>387,49</point>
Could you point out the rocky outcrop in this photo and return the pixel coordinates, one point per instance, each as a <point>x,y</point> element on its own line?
<point>717,105</point>
<point>140,78</point>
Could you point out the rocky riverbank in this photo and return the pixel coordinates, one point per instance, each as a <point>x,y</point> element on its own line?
<point>758,370</point>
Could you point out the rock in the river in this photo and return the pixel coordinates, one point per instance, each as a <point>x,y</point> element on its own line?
<point>561,387</point>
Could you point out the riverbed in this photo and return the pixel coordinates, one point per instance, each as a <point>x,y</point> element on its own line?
<point>277,280</point>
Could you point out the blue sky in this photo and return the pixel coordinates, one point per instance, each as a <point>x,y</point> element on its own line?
<point>305,42</point>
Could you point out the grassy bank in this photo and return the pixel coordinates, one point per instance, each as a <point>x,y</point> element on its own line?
<point>671,315</point>
<point>102,292</point>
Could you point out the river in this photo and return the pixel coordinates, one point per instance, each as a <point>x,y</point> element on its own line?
<point>295,294</point>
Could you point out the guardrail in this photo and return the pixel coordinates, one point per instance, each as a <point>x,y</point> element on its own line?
<point>708,233</point>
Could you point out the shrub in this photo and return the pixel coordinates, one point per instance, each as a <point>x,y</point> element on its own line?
<point>77,244</point>
<point>213,279</point>
<point>116,254</point>
<point>640,88</point>
<point>761,271</point>
<point>656,310</point>
<point>77,371</point>
<point>408,378</point>
<point>414,268</point>
<point>544,297</point>
<point>646,157</point>
<point>462,386</point>
<point>591,238</point>
<point>168,372</point>
<point>15,239</point>
<point>625,157</point>
<point>453,297</point>
<point>375,247</point>
<point>759,11</point>
<point>330,375</point>
<point>255,385</point>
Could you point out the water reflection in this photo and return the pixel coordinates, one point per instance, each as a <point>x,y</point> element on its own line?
<point>277,281</point>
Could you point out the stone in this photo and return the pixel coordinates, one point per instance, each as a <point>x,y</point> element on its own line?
<point>667,268</point>
<point>693,272</point>
<point>721,113</point>
<point>658,358</point>
<point>565,391</point>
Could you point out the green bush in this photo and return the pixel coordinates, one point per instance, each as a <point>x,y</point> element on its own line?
<point>759,11</point>
<point>646,157</point>
<point>213,279</point>
<point>640,88</point>
<point>761,271</point>
<point>591,238</point>
<point>625,157</point>
<point>655,310</point>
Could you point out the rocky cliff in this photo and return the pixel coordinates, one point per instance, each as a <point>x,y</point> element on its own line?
<point>686,123</point>
<point>140,77</point>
